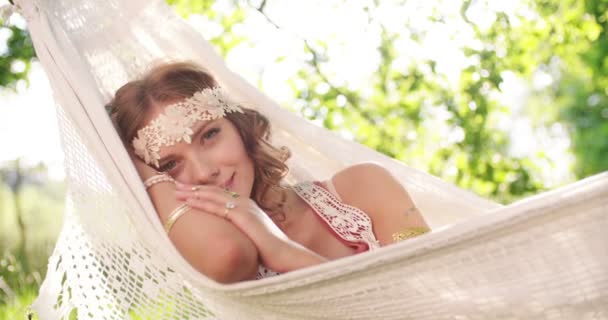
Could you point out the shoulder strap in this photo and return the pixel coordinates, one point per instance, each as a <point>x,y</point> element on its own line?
<point>350,223</point>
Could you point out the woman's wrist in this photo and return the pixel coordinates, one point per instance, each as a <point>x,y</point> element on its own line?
<point>158,178</point>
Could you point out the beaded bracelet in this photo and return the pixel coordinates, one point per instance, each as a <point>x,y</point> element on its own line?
<point>176,214</point>
<point>156,179</point>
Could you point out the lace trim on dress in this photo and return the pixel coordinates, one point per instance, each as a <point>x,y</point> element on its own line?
<point>350,223</point>
<point>264,272</point>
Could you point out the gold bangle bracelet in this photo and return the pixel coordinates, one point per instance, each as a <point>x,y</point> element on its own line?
<point>409,233</point>
<point>176,214</point>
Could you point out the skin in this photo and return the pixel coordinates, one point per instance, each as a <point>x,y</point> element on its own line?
<point>383,199</point>
<point>198,235</point>
<point>216,160</point>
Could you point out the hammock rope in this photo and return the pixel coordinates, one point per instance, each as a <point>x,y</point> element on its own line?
<point>545,256</point>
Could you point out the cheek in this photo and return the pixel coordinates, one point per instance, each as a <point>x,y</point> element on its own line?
<point>250,166</point>
<point>183,174</point>
<point>244,159</point>
<point>236,148</point>
<point>248,174</point>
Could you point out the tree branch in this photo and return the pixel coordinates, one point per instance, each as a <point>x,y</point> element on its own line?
<point>262,5</point>
<point>315,64</point>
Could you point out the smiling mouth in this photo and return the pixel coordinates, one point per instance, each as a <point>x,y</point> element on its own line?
<point>228,184</point>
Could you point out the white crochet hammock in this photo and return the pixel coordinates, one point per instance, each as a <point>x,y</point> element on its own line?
<point>543,257</point>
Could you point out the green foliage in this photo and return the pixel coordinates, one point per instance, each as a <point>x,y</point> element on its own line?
<point>411,112</point>
<point>401,110</point>
<point>228,17</point>
<point>19,308</point>
<point>569,42</point>
<point>42,208</point>
<point>21,271</point>
<point>19,50</point>
<point>187,7</point>
<point>399,117</point>
<point>19,282</point>
<point>585,94</point>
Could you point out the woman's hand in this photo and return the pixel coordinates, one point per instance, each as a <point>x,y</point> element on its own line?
<point>277,251</point>
<point>197,236</point>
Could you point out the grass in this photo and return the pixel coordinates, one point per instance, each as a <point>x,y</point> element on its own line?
<point>18,287</point>
<point>21,274</point>
<point>22,270</point>
<point>18,307</point>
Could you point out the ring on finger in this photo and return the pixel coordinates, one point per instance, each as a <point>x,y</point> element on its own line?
<point>230,205</point>
<point>232,193</point>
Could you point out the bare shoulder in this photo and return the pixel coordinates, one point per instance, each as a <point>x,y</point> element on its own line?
<point>362,169</point>
<point>363,184</point>
<point>373,189</point>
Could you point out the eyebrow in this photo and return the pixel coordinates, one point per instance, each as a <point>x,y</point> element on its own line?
<point>194,134</point>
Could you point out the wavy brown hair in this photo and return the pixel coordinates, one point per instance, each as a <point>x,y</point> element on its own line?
<point>170,82</point>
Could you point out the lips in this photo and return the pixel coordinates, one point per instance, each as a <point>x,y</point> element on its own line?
<point>228,184</point>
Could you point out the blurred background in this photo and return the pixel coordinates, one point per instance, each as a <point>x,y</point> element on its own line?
<point>503,98</point>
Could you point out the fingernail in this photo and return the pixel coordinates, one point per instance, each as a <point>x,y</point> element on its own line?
<point>182,186</point>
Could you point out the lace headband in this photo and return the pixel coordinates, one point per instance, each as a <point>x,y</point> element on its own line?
<point>175,123</point>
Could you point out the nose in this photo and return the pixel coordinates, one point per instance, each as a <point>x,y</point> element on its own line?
<point>203,171</point>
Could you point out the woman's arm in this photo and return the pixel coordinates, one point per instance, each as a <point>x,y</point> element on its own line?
<point>277,251</point>
<point>374,190</point>
<point>212,245</point>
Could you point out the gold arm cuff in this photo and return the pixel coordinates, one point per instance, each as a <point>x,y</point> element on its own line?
<point>176,214</point>
<point>409,233</point>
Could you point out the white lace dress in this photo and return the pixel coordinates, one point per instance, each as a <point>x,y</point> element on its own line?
<point>350,225</point>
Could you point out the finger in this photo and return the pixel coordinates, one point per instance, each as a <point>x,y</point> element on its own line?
<point>203,191</point>
<point>205,206</point>
<point>184,186</point>
<point>218,197</point>
<point>219,210</point>
<point>193,187</point>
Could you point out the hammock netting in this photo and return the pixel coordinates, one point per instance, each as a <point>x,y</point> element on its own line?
<point>545,257</point>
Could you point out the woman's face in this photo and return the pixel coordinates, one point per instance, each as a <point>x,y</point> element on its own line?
<point>216,156</point>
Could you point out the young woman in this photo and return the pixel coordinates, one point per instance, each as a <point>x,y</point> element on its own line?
<point>216,182</point>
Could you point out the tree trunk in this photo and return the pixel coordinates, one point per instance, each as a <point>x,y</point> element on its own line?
<point>16,188</point>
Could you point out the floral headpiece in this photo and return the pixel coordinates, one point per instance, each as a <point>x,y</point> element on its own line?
<point>176,121</point>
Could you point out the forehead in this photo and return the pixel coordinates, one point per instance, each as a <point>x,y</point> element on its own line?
<point>182,145</point>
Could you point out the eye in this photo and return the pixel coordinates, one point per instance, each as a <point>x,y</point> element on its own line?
<point>168,166</point>
<point>211,133</point>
